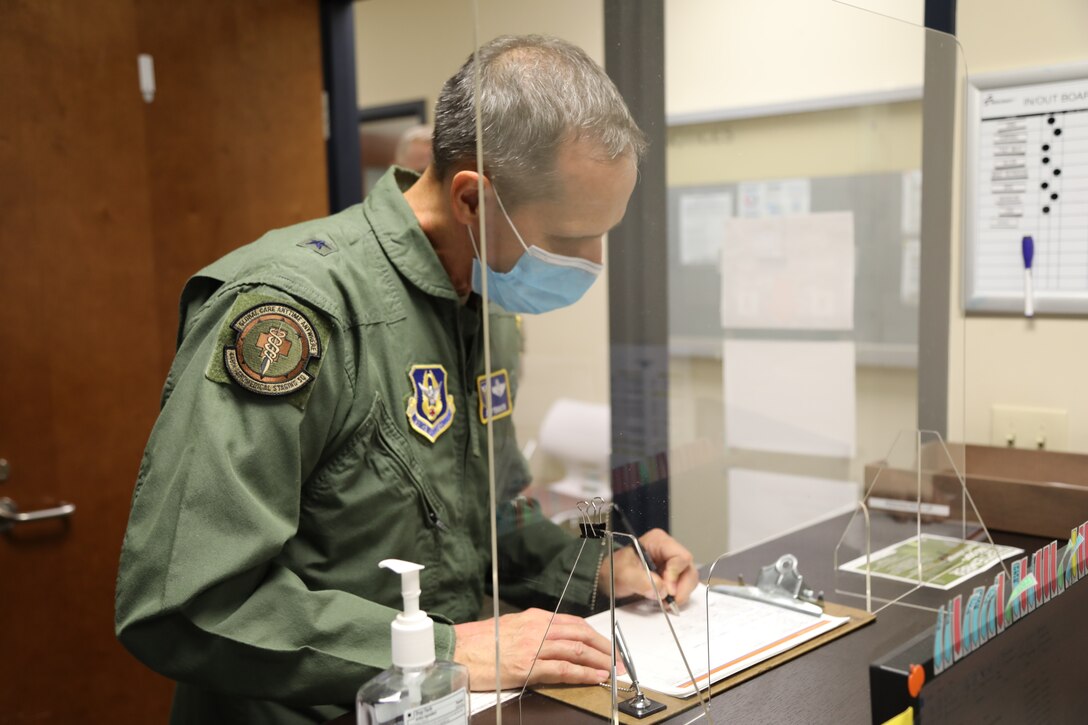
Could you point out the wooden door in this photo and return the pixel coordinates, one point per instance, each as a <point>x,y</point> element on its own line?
<point>106,205</point>
<point>235,135</point>
<point>79,363</point>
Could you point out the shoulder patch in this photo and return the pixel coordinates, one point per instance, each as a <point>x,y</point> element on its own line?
<point>324,247</point>
<point>272,347</point>
<point>268,347</point>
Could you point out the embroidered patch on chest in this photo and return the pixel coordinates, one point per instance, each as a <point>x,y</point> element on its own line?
<point>495,389</point>
<point>273,345</point>
<point>430,407</point>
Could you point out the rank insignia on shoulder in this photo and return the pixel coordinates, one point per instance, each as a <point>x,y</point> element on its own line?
<point>430,408</point>
<point>495,390</point>
<point>273,345</point>
<point>322,246</point>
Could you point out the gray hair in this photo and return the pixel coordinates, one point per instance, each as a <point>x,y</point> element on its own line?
<point>535,93</point>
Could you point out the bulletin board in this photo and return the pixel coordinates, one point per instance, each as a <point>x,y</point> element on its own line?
<point>886,267</point>
<point>1027,175</point>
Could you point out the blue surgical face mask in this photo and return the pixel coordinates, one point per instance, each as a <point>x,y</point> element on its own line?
<point>541,281</point>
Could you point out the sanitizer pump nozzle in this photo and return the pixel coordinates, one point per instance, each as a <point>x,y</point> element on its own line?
<point>413,630</point>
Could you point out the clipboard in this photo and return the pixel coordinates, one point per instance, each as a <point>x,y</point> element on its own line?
<point>597,700</point>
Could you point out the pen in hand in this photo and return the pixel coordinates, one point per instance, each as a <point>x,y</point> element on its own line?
<point>670,600</point>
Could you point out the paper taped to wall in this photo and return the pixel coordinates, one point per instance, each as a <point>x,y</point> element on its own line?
<point>789,272</point>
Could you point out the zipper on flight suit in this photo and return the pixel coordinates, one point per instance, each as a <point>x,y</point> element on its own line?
<point>406,468</point>
<point>468,367</point>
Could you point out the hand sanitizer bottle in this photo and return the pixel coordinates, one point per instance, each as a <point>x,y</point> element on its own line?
<point>416,689</point>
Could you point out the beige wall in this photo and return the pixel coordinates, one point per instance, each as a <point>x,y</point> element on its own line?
<point>1010,360</point>
<point>740,54</point>
<point>870,139</point>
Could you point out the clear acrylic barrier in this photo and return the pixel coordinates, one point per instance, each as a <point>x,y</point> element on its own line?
<point>916,531</point>
<point>732,472</point>
<point>739,467</point>
<point>776,399</point>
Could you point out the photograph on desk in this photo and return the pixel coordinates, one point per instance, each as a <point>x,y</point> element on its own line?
<point>946,561</point>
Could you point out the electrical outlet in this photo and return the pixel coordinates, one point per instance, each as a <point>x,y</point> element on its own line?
<point>1015,426</point>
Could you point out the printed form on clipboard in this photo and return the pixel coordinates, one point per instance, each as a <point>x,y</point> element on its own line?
<point>743,633</point>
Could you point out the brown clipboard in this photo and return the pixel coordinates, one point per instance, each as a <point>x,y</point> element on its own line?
<point>598,700</point>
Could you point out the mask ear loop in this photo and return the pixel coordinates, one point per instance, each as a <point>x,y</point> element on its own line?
<point>508,219</point>
<point>472,238</point>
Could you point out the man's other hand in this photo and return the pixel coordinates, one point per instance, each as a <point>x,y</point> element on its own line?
<point>572,652</point>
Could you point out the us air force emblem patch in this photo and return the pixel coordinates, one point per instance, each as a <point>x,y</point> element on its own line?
<point>497,388</point>
<point>273,344</point>
<point>430,408</point>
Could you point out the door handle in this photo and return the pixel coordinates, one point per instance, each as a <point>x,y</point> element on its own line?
<point>10,514</point>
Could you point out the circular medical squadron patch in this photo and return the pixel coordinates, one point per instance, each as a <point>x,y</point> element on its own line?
<point>272,345</point>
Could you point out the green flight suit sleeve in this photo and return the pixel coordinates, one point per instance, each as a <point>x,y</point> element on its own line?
<point>202,596</point>
<point>539,562</point>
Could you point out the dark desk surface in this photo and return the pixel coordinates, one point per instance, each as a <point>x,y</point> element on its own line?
<point>831,684</point>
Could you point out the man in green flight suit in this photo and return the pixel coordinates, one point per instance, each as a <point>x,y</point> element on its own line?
<point>326,410</point>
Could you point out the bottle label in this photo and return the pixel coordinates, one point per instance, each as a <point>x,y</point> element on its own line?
<point>449,710</point>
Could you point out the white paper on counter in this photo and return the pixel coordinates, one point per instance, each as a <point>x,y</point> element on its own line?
<point>791,397</point>
<point>794,272</point>
<point>743,632</point>
<point>480,701</point>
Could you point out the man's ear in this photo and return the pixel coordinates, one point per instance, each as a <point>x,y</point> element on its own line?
<point>465,196</point>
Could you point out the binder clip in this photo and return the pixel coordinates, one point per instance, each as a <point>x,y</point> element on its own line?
<point>780,584</point>
<point>594,523</point>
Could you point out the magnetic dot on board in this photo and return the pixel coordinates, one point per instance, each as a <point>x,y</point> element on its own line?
<point>1057,132</point>
<point>1046,209</point>
<point>1054,197</point>
<point>1046,159</point>
<point>1057,172</point>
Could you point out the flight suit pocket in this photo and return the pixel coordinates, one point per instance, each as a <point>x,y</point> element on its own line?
<point>368,503</point>
<point>375,466</point>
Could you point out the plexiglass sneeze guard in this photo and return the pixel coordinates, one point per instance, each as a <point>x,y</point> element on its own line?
<point>916,532</point>
<point>794,238</point>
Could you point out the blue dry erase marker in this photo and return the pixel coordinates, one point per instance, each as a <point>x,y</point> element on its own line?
<point>1027,246</point>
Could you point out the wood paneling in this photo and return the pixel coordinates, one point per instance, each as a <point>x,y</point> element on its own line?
<point>107,204</point>
<point>235,139</point>
<point>79,364</point>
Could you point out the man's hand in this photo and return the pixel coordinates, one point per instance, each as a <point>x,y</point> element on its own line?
<point>572,651</point>
<point>677,577</point>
